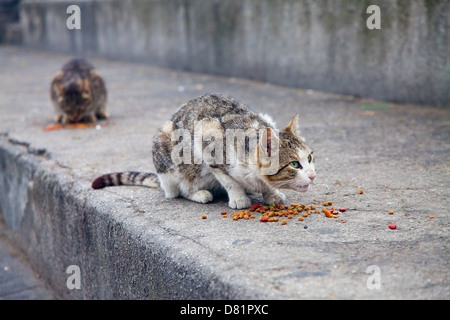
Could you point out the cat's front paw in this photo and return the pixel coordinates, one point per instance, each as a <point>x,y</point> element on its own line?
<point>240,202</point>
<point>274,197</point>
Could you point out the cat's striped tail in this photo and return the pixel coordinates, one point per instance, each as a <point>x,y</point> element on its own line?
<point>126,179</point>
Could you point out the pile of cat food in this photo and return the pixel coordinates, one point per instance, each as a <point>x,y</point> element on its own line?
<point>282,213</point>
<point>72,126</point>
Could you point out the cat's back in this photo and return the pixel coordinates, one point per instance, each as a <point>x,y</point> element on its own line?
<point>77,67</point>
<point>227,111</point>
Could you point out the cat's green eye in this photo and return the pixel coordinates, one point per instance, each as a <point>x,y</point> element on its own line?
<point>296,165</point>
<point>309,158</point>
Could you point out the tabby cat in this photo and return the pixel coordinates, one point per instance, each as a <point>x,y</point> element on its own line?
<point>215,144</point>
<point>78,93</point>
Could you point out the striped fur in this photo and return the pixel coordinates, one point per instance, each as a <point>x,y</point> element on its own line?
<point>126,179</point>
<point>179,173</point>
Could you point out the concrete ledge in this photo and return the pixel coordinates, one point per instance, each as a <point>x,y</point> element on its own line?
<point>131,243</point>
<point>59,223</point>
<point>308,44</point>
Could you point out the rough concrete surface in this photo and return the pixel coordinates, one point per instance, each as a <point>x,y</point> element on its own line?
<point>17,280</point>
<point>131,243</point>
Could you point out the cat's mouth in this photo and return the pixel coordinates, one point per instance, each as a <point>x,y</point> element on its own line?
<point>301,188</point>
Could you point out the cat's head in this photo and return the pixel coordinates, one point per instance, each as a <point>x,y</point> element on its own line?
<point>75,98</point>
<point>289,158</point>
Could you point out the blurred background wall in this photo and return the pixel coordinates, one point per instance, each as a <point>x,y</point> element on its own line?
<point>323,45</point>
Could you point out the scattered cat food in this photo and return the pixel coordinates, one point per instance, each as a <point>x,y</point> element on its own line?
<point>204,216</point>
<point>73,126</point>
<point>283,222</point>
<point>328,213</point>
<point>275,212</point>
<point>432,217</point>
<point>360,191</point>
<point>391,212</point>
<point>392,226</point>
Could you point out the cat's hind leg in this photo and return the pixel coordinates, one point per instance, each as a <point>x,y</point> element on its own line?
<point>201,196</point>
<point>174,186</point>
<point>169,185</point>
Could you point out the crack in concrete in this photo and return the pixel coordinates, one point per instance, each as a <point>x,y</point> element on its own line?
<point>40,152</point>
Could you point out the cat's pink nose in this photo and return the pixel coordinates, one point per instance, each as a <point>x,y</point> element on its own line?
<point>312,177</point>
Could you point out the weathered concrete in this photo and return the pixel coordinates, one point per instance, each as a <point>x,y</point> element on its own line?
<point>130,242</point>
<point>17,280</point>
<point>321,45</point>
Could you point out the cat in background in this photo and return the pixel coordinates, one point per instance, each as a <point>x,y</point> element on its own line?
<point>78,93</point>
<point>183,170</point>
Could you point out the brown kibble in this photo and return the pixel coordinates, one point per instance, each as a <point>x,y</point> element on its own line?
<point>223,213</point>
<point>305,215</point>
<point>204,216</point>
<point>289,216</point>
<point>327,213</point>
<point>361,191</point>
<point>300,219</point>
<point>225,216</point>
<point>283,222</point>
<point>313,207</point>
<point>391,212</point>
<point>432,217</point>
<point>316,212</point>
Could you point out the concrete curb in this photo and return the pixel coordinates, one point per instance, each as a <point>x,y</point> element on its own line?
<point>63,224</point>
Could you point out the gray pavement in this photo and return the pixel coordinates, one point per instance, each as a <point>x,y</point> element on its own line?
<point>17,279</point>
<point>131,243</point>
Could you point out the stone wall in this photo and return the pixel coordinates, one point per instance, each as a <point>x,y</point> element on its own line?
<point>320,45</point>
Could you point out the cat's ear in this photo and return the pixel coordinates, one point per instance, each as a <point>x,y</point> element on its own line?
<point>269,143</point>
<point>57,83</point>
<point>293,126</point>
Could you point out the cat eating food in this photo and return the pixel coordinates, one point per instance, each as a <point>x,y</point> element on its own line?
<point>215,144</point>
<point>78,93</point>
